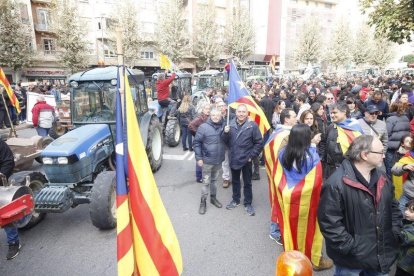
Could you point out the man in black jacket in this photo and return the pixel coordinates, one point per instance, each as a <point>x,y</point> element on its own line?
<point>245,143</point>
<point>209,152</point>
<point>358,215</point>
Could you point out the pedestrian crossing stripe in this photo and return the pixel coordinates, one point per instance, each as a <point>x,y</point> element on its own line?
<point>188,156</point>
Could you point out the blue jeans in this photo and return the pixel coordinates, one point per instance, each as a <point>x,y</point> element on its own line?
<point>42,131</point>
<point>344,271</point>
<point>274,230</point>
<point>199,172</point>
<point>186,136</point>
<point>12,234</point>
<point>389,162</point>
<point>403,200</point>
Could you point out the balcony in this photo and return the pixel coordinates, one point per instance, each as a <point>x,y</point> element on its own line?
<point>45,28</point>
<point>48,2</point>
<point>47,54</point>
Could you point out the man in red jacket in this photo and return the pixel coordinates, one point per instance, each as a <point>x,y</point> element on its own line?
<point>43,116</point>
<point>163,89</point>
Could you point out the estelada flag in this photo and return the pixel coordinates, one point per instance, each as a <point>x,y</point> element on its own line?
<point>399,180</point>
<point>271,151</point>
<point>9,90</point>
<point>238,94</point>
<point>348,130</point>
<point>156,250</point>
<point>298,196</point>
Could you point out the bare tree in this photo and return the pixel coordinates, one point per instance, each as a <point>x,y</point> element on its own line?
<point>309,48</point>
<point>383,53</point>
<point>239,36</point>
<point>339,53</point>
<point>207,44</point>
<point>71,37</point>
<point>362,46</point>
<point>126,21</point>
<point>15,38</point>
<point>172,37</point>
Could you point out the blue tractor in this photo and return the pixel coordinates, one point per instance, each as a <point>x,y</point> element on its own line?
<point>79,166</point>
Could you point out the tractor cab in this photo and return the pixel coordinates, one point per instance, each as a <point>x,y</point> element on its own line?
<point>93,95</point>
<point>179,87</point>
<point>209,79</point>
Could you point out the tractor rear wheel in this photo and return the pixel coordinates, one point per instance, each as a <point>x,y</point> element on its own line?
<point>102,208</point>
<point>37,182</point>
<point>57,130</point>
<point>172,133</point>
<point>154,144</point>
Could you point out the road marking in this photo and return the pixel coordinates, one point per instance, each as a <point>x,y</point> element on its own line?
<point>181,157</point>
<point>173,157</point>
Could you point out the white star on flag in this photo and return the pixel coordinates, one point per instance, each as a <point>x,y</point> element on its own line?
<point>241,84</point>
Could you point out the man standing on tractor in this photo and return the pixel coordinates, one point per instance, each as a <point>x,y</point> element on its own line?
<point>6,169</point>
<point>163,90</point>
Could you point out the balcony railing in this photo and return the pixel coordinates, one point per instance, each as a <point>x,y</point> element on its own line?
<point>44,28</point>
<point>42,1</point>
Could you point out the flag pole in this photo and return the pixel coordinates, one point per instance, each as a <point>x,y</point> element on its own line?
<point>228,114</point>
<point>120,55</point>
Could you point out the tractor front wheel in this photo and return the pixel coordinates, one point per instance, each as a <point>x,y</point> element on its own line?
<point>37,182</point>
<point>154,144</point>
<point>102,208</point>
<point>172,133</point>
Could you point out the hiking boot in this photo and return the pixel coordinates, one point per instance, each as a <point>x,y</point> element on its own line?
<point>250,210</point>
<point>203,207</point>
<point>215,202</point>
<point>256,177</point>
<point>226,183</point>
<point>277,239</point>
<point>13,250</point>
<point>233,204</point>
<point>324,263</point>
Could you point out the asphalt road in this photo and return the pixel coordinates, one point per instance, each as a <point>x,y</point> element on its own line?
<point>221,242</point>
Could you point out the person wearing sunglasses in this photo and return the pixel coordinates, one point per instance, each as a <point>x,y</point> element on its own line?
<point>371,125</point>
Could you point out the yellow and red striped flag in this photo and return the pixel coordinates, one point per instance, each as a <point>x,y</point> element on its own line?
<point>238,95</point>
<point>398,180</point>
<point>348,130</point>
<point>152,243</point>
<point>9,90</point>
<point>271,151</point>
<point>297,203</point>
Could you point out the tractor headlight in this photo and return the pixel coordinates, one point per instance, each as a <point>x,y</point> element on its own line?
<point>47,160</point>
<point>62,160</point>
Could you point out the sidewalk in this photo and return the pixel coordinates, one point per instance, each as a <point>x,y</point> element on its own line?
<point>6,131</point>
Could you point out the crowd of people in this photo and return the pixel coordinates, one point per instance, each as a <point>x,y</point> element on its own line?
<point>20,91</point>
<point>340,164</point>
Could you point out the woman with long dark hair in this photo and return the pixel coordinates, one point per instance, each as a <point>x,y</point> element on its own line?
<point>298,183</point>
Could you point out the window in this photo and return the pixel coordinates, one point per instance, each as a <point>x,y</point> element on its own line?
<point>147,55</point>
<point>48,46</point>
<point>43,18</point>
<point>24,14</point>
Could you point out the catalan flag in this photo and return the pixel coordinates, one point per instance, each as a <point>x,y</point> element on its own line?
<point>348,130</point>
<point>399,180</point>
<point>238,94</point>
<point>271,151</point>
<point>9,90</point>
<point>298,198</point>
<point>156,250</point>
